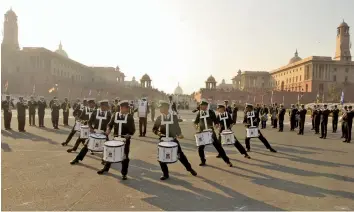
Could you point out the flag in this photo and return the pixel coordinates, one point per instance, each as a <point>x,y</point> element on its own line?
<point>34,89</point>
<point>6,85</point>
<point>51,90</point>
<point>342,98</point>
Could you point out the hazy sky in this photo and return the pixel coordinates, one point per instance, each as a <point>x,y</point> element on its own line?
<point>182,41</point>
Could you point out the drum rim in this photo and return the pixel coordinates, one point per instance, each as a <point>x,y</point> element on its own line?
<point>176,145</point>
<point>119,145</point>
<point>168,162</point>
<point>84,126</point>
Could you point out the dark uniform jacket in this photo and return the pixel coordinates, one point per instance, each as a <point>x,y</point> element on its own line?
<point>42,105</point>
<point>324,115</point>
<point>264,110</point>
<point>84,115</point>
<point>174,129</point>
<point>6,106</point>
<point>228,121</point>
<point>115,107</point>
<point>302,113</point>
<point>93,123</point>
<point>21,109</point>
<point>247,121</point>
<point>335,113</point>
<point>281,114</point>
<point>127,128</point>
<point>210,120</point>
<point>32,106</point>
<point>65,106</point>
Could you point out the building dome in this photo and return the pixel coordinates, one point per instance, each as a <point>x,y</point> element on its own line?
<point>239,72</point>
<point>296,58</point>
<point>343,24</point>
<point>10,12</point>
<point>178,90</point>
<point>211,79</point>
<point>145,78</point>
<point>61,51</point>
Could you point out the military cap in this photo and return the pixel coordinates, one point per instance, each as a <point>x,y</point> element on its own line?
<point>124,103</point>
<point>203,102</point>
<point>325,105</point>
<point>163,104</point>
<point>302,105</point>
<point>105,101</point>
<point>226,100</point>
<point>221,106</point>
<point>350,106</point>
<point>249,105</point>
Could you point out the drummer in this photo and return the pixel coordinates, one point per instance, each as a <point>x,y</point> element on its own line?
<point>199,123</point>
<point>247,121</point>
<point>83,117</point>
<point>174,132</point>
<point>229,123</point>
<point>76,113</point>
<point>128,130</point>
<point>99,118</point>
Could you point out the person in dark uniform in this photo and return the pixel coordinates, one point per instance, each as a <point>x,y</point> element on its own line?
<point>227,106</point>
<point>257,113</point>
<point>94,124</point>
<point>7,106</point>
<point>234,113</point>
<point>84,117</point>
<point>274,115</point>
<point>199,123</point>
<point>344,122</point>
<point>152,110</point>
<point>229,123</point>
<point>264,116</point>
<point>281,115</point>
<point>313,113</point>
<point>174,132</point>
<point>173,106</point>
<point>292,114</point>
<point>128,130</point>
<point>349,122</point>
<point>302,114</point>
<point>65,106</point>
<point>132,108</point>
<point>32,106</point>
<point>115,106</point>
<point>21,114</point>
<point>297,116</point>
<point>196,110</point>
<point>55,106</point>
<point>247,122</point>
<point>324,121</point>
<point>335,114</point>
<point>42,105</point>
<point>317,117</point>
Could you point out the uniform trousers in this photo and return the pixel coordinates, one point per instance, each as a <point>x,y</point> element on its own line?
<point>21,123</point>
<point>152,115</point>
<point>313,123</point>
<point>66,118</point>
<point>181,157</point>
<point>281,125</point>
<point>349,131</point>
<point>344,129</point>
<point>238,145</point>
<point>317,125</point>
<point>292,123</point>
<point>125,162</point>
<point>301,126</point>
<point>334,124</point>
<point>275,123</point>
<point>260,137</point>
<point>7,119</point>
<point>31,116</point>
<point>218,148</point>
<point>142,125</point>
<point>55,120</point>
<point>41,118</point>
<point>324,128</point>
<point>71,134</point>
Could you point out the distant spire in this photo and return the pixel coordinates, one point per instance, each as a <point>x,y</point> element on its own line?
<point>296,54</point>
<point>178,84</point>
<point>60,46</point>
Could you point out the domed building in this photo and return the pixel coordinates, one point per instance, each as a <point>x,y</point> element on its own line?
<point>210,83</point>
<point>225,86</point>
<point>295,59</point>
<point>61,51</point>
<point>178,90</point>
<point>132,83</point>
<point>145,81</point>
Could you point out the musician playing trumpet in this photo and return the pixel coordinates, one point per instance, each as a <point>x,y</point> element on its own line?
<point>21,114</point>
<point>65,106</point>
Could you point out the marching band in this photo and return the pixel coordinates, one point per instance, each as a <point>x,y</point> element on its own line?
<point>95,125</point>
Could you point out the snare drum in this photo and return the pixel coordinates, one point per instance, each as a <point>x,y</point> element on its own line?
<point>77,126</point>
<point>96,142</point>
<point>227,137</point>
<point>167,152</point>
<point>252,132</point>
<point>204,138</point>
<point>113,151</point>
<point>84,131</point>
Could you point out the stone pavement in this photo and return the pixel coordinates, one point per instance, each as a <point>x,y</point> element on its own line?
<point>307,173</point>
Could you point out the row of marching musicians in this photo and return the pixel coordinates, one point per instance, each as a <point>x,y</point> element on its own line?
<point>98,123</point>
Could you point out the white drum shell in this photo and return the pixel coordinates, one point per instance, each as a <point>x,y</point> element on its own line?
<point>96,144</point>
<point>167,152</point>
<point>77,126</point>
<point>113,151</point>
<point>84,132</point>
<point>227,138</point>
<point>252,132</point>
<point>204,138</point>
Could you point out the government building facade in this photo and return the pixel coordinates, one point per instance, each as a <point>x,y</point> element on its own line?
<point>39,70</point>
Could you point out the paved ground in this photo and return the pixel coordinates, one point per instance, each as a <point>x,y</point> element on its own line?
<point>307,173</point>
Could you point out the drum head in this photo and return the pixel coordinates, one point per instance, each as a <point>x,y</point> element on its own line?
<point>119,139</point>
<point>84,127</point>
<point>99,136</point>
<point>226,132</point>
<point>168,144</point>
<point>114,143</point>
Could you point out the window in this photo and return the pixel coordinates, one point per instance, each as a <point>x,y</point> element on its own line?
<point>334,78</point>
